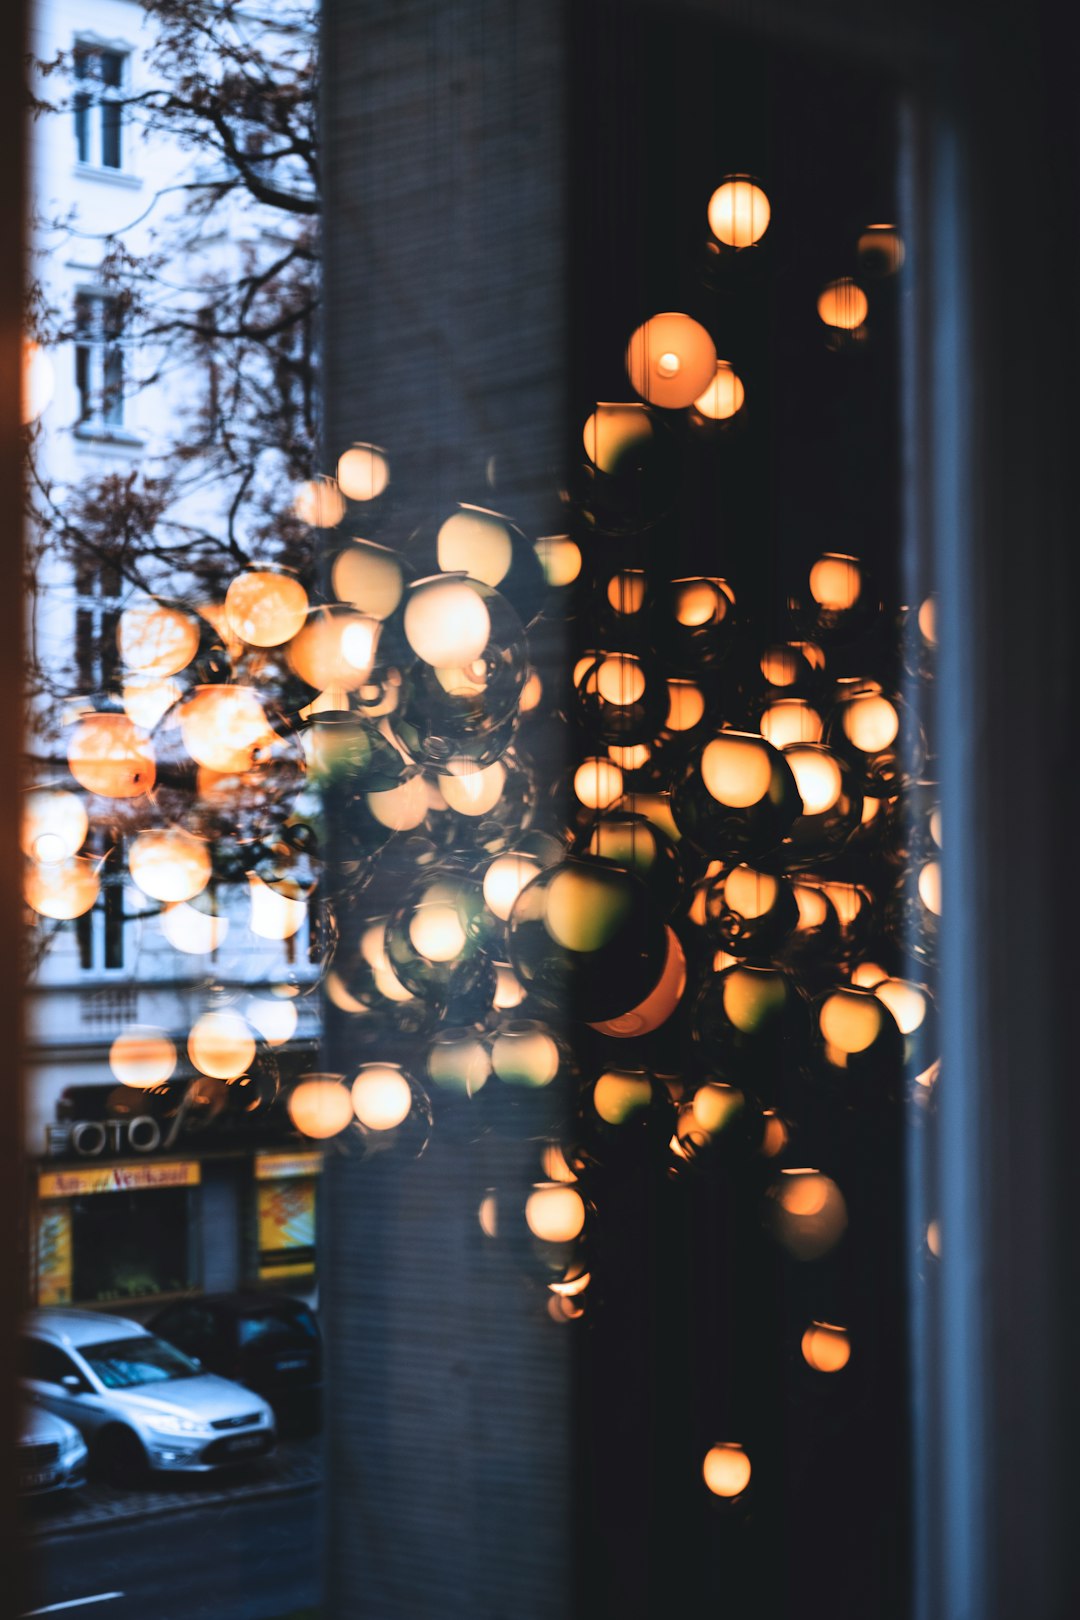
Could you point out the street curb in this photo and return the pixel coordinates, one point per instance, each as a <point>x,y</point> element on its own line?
<point>44,1532</point>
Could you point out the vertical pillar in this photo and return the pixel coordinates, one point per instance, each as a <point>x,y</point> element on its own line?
<point>449,1455</point>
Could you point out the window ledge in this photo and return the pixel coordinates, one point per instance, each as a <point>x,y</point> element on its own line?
<point>112,177</point>
<point>104,433</point>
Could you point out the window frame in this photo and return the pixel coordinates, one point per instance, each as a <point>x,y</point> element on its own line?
<point>91,97</point>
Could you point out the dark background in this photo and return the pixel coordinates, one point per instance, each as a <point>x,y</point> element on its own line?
<point>695,1335</point>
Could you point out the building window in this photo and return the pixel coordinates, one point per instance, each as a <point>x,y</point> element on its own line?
<point>99,360</point>
<point>99,75</point>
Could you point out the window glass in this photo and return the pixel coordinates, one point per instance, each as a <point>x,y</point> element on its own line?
<point>98,110</point>
<point>45,1362</point>
<point>125,1363</point>
<point>282,1324</point>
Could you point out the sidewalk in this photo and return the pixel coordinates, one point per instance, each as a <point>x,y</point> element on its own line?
<point>295,1466</point>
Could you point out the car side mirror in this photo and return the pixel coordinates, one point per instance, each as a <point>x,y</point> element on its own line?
<point>72,1383</point>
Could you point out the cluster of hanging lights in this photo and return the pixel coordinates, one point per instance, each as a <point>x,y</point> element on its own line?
<point>666,951</point>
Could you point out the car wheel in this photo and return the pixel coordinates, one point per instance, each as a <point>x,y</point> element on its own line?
<point>120,1458</point>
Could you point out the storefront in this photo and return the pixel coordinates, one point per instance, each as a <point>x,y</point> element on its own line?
<point>120,1220</point>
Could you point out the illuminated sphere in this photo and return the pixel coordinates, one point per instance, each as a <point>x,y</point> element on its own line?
<point>447,623</point>
<point>836,582</point>
<point>832,805</point>
<point>725,395</point>
<point>142,1056</point>
<point>168,864</point>
<point>619,698</point>
<point>790,720</point>
<point>588,929</point>
<point>858,1032</point>
<point>750,913</point>
<point>38,381</point>
<point>696,623</point>
<point>555,1213</point>
<point>809,1214</point>
<point>382,1098</point>
<point>319,502</point>
<point>739,212</point>
<point>843,304</point>
<point>826,1348</point>
<point>320,1106</point>
<point>54,825</point>
<point>431,937</point>
<point>476,543</point>
<point>816,935</point>
<point>274,915</point>
<point>458,1062</point>
<point>369,578</point>
<point>671,360</point>
<point>878,737</point>
<point>750,1020</point>
<point>221,1045</point>
<point>658,1004</point>
<point>736,797</point>
<point>726,1469</point>
<point>265,607</point>
<point>598,783</point>
<point>224,728</point>
<point>109,756</point>
<point>62,889</point>
<point>147,698</point>
<point>880,250</point>
<point>363,472</point>
<point>560,559</point>
<point>616,436</point>
<point>633,842</point>
<point>335,648</point>
<point>155,639</point>
<point>630,1098</point>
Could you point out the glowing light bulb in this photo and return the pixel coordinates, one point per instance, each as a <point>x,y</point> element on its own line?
<point>726,1469</point>
<point>168,864</point>
<point>836,582</point>
<point>221,1045</point>
<point>363,472</point>
<point>224,728</point>
<point>555,1213</point>
<point>265,608</point>
<point>320,1106</point>
<point>54,825</point>
<point>447,622</point>
<point>156,640</point>
<point>843,304</point>
<point>62,889</point>
<point>670,360</point>
<point>381,1097</point>
<point>826,1348</point>
<point>109,756</point>
<point>736,770</point>
<point>739,212</point>
<point>725,395</point>
<point>142,1056</point>
<point>504,880</point>
<point>613,433</point>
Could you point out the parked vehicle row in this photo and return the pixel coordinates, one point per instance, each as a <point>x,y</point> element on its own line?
<point>198,1390</point>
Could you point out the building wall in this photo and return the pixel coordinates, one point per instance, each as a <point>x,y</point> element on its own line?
<point>450,1456</point>
<point>77,1008</point>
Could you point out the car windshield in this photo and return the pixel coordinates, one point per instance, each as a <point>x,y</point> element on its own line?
<point>123,1363</point>
<point>277,1325</point>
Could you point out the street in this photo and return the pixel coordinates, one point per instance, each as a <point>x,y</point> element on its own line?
<point>252,1559</point>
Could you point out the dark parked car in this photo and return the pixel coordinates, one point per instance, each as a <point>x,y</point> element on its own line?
<point>268,1342</point>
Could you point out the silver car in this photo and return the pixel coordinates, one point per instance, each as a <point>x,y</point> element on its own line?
<point>138,1401</point>
<point>50,1455</point>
